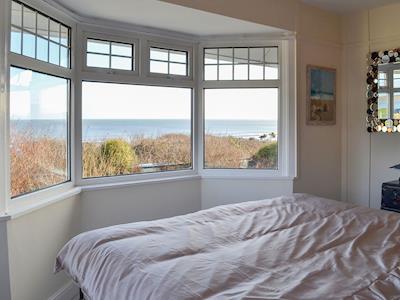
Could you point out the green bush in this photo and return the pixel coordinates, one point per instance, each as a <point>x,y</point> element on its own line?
<point>118,156</point>
<point>266,157</point>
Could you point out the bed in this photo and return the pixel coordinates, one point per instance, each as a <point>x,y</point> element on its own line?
<point>292,247</point>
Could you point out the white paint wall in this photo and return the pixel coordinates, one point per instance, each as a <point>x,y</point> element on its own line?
<point>319,154</point>
<point>5,293</point>
<point>140,202</point>
<point>225,191</point>
<point>33,242</point>
<point>367,156</point>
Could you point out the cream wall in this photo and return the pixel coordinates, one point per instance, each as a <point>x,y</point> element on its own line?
<point>225,191</point>
<point>318,43</point>
<point>140,202</point>
<point>5,292</point>
<point>33,242</point>
<point>367,157</point>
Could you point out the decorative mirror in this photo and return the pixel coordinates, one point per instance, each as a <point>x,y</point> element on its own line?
<point>383,93</point>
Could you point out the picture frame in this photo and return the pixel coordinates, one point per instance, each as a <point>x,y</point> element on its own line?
<point>321,95</point>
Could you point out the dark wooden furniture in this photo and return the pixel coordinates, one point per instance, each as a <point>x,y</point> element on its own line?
<point>391,196</point>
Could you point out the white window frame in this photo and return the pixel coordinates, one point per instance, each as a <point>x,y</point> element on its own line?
<point>286,115</point>
<point>389,88</point>
<point>48,194</point>
<point>174,47</point>
<point>142,78</point>
<point>55,16</point>
<point>110,38</point>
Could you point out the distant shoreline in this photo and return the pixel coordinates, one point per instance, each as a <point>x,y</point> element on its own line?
<point>100,129</point>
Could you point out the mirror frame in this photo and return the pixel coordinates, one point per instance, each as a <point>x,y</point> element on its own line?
<point>374,124</point>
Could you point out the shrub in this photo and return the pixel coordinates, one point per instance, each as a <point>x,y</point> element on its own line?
<point>266,157</point>
<point>118,156</point>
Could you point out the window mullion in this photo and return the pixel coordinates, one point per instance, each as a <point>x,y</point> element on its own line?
<point>22,29</point>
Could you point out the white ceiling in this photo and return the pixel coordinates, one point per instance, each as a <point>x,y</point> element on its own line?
<point>156,14</point>
<point>347,6</point>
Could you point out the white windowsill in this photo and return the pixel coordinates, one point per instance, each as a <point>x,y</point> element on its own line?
<point>114,185</point>
<point>26,209</point>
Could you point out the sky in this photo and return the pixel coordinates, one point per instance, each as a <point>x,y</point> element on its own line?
<point>38,96</point>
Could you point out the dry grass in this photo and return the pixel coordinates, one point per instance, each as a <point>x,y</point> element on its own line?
<point>230,152</point>
<point>39,163</point>
<point>36,163</point>
<point>171,148</point>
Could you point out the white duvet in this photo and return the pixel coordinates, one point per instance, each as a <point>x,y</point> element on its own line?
<point>297,247</point>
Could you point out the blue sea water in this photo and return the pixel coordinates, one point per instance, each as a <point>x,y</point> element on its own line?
<point>100,129</point>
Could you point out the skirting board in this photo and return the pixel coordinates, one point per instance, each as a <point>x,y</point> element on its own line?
<point>68,292</point>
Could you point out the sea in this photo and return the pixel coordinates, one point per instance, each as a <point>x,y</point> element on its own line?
<point>101,129</point>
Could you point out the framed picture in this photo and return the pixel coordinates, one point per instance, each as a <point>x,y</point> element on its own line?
<point>321,96</point>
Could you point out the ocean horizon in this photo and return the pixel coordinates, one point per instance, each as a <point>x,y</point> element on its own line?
<point>101,129</point>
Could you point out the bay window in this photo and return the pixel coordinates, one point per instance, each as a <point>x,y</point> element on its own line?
<point>142,106</point>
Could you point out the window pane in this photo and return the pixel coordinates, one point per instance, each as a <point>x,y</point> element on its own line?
<point>64,57</point>
<point>38,29</point>
<point>225,56</point>
<point>54,31</point>
<point>42,49</point>
<point>15,42</point>
<point>210,56</point>
<point>382,79</point>
<point>121,63</point>
<point>64,36</point>
<point>245,135</point>
<point>29,19</point>
<point>210,72</point>
<point>256,72</point>
<point>16,14</point>
<point>178,56</point>
<point>241,55</point>
<point>271,55</point>
<point>54,55</point>
<point>396,106</point>
<point>158,67</point>
<point>28,44</point>
<point>241,72</point>
<point>383,106</point>
<point>43,26</point>
<point>225,72</point>
<point>98,60</point>
<point>121,49</point>
<point>396,78</point>
<point>131,129</point>
<point>98,46</point>
<point>272,72</point>
<point>38,131</point>
<point>159,54</point>
<point>166,61</point>
<point>177,69</point>
<point>257,56</point>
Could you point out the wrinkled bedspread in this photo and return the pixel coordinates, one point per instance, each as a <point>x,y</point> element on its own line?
<point>294,247</point>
